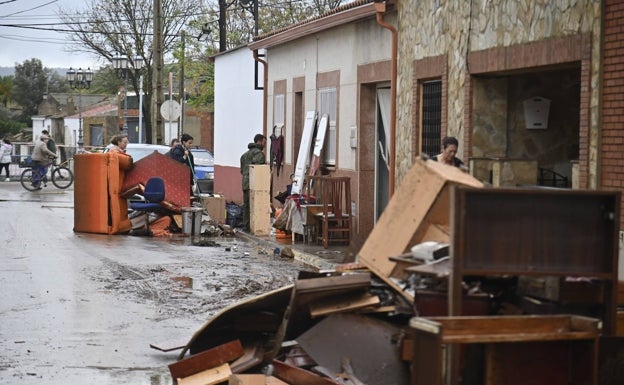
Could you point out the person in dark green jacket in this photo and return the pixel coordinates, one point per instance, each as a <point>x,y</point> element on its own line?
<point>254,155</point>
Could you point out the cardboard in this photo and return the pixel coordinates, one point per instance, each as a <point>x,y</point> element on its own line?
<point>259,177</point>
<point>215,206</point>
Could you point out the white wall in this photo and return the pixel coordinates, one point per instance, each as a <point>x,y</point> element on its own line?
<point>342,48</point>
<point>238,106</point>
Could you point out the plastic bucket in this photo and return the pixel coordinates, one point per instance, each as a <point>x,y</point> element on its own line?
<point>191,220</point>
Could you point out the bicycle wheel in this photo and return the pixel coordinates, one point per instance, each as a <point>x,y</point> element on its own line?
<point>26,179</point>
<point>62,177</point>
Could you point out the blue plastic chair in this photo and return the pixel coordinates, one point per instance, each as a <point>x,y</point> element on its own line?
<point>154,194</point>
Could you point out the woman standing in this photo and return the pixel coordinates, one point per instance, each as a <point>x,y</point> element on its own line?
<point>6,149</point>
<point>182,153</point>
<point>449,150</point>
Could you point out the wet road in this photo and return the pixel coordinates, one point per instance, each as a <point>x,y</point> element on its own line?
<point>84,308</point>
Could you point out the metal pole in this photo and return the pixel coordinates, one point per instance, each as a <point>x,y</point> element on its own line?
<point>80,137</point>
<point>141,109</point>
<point>125,112</point>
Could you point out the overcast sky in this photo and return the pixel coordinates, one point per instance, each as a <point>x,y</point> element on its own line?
<point>20,44</point>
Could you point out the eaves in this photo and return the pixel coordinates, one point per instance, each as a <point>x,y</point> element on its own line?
<point>359,9</point>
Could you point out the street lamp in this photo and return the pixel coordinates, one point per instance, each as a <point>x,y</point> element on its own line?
<point>80,79</point>
<point>123,66</point>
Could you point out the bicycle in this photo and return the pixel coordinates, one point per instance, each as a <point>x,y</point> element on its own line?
<point>62,177</point>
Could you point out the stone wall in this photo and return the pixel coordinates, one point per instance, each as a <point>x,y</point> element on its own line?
<point>456,28</point>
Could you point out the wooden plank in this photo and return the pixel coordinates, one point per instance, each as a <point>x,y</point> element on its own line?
<point>207,359</point>
<point>254,379</point>
<point>342,303</point>
<point>294,375</point>
<point>207,377</point>
<point>311,285</point>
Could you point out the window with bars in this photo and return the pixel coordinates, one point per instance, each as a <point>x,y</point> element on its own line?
<point>328,104</point>
<point>431,117</point>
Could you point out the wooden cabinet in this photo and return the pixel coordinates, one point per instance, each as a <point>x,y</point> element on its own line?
<point>536,232</point>
<point>515,350</point>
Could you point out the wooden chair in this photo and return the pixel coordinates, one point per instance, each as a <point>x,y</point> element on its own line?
<point>335,216</point>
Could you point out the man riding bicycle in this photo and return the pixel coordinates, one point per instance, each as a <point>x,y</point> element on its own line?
<point>41,160</point>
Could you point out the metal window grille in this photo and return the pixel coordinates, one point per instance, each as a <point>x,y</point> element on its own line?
<point>431,124</point>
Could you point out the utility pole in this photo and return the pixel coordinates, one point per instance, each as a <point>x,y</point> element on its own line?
<point>157,133</point>
<point>181,97</point>
<point>222,25</point>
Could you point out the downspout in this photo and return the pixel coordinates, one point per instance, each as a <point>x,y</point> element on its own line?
<point>380,9</point>
<point>265,65</point>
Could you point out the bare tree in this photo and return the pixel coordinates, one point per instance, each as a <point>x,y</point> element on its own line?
<point>125,27</point>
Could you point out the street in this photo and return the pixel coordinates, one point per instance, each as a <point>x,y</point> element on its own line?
<point>84,308</point>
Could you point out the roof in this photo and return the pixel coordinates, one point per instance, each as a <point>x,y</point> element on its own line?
<point>356,10</point>
<point>100,110</point>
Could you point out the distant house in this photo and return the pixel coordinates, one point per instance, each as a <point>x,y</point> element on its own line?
<point>237,117</point>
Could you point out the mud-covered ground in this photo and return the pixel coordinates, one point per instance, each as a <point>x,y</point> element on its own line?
<point>79,308</point>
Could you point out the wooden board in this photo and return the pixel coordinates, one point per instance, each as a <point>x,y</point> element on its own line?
<point>318,144</point>
<point>342,303</point>
<point>303,158</point>
<point>208,377</point>
<point>419,211</point>
<point>206,360</point>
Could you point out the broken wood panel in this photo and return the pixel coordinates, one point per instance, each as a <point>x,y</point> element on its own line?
<point>253,352</point>
<point>342,303</point>
<point>294,375</point>
<point>413,210</point>
<point>311,285</point>
<point>207,377</point>
<point>254,379</point>
<point>206,359</point>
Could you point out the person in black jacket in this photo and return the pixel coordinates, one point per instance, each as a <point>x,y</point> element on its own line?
<point>182,153</point>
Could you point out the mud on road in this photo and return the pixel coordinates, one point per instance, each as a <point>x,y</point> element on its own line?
<point>198,286</point>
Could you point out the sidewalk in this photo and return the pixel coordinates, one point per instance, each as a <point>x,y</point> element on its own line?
<point>310,254</point>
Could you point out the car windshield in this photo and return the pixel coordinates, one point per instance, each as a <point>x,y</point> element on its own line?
<point>202,157</point>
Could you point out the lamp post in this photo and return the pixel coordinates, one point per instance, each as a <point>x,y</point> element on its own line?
<point>80,79</point>
<point>123,65</point>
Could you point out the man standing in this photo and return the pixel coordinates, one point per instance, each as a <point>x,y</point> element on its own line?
<point>254,155</point>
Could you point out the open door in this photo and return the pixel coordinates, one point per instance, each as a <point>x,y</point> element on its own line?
<point>382,152</point>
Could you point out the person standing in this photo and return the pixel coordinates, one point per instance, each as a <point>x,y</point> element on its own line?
<point>182,153</point>
<point>120,143</point>
<point>41,158</point>
<point>253,155</point>
<point>6,149</point>
<point>450,145</point>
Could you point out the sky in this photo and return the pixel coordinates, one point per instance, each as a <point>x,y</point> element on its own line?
<point>20,44</point>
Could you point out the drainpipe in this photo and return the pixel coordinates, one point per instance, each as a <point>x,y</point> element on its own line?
<point>380,8</point>
<point>265,65</point>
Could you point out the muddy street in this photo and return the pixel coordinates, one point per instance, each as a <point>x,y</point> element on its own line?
<point>84,308</point>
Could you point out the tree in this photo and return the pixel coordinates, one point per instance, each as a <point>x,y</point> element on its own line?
<point>111,27</point>
<point>6,83</point>
<point>29,86</point>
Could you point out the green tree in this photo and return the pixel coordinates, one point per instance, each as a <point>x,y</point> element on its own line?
<point>29,86</point>
<point>6,83</point>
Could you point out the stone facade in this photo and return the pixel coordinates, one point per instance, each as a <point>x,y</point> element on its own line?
<point>484,37</point>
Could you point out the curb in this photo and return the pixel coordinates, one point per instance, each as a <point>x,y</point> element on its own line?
<point>306,258</point>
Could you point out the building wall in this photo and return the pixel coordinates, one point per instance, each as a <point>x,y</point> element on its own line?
<point>455,30</point>
<point>237,117</point>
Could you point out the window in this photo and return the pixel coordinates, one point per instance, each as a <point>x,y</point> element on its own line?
<point>278,110</point>
<point>431,113</point>
<point>327,104</point>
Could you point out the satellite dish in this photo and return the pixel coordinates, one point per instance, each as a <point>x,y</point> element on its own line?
<point>170,110</point>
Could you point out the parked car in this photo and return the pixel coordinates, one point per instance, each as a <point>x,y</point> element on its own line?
<point>204,169</point>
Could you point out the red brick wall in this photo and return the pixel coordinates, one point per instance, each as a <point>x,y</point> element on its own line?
<point>612,116</point>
